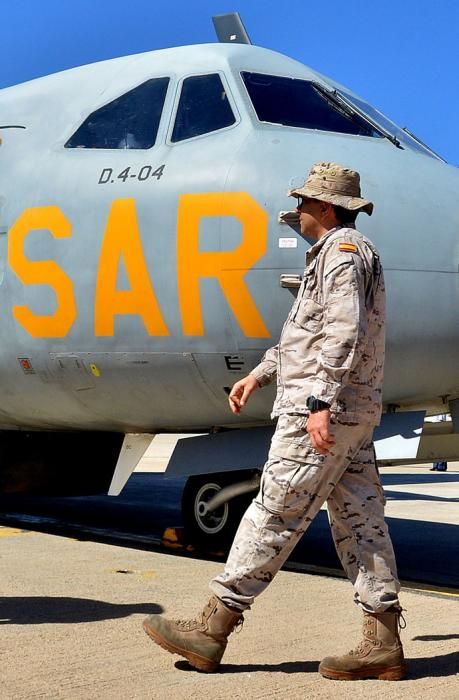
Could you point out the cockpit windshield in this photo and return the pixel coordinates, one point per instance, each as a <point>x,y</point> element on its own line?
<point>309,105</point>
<point>301,103</point>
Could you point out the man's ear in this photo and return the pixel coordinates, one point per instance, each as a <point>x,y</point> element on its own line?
<point>329,214</point>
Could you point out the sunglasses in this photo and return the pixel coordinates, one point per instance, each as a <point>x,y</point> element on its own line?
<point>301,201</point>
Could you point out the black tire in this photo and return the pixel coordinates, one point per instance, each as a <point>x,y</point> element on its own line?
<point>216,529</point>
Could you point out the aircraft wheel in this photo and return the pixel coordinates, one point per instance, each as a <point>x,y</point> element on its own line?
<point>216,528</point>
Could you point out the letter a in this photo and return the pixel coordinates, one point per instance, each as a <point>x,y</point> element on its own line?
<point>122,240</point>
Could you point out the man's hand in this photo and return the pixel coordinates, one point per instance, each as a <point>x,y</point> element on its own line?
<point>241,392</point>
<point>318,427</point>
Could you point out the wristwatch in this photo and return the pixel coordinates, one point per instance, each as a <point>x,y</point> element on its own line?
<point>316,404</point>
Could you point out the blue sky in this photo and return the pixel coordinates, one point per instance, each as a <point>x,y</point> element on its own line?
<point>401,55</point>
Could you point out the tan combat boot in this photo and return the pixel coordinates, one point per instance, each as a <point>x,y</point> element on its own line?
<point>202,641</point>
<point>378,655</point>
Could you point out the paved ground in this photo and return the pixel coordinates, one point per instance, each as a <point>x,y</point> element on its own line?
<point>71,616</point>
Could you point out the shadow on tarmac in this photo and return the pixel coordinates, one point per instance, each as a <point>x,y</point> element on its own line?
<point>286,667</point>
<point>405,496</point>
<point>39,610</point>
<point>421,478</point>
<point>435,637</point>
<point>389,480</point>
<point>431,666</point>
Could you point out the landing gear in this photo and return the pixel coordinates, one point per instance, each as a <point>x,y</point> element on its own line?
<point>213,528</point>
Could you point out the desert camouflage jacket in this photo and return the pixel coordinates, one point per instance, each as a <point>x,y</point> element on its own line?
<point>332,343</point>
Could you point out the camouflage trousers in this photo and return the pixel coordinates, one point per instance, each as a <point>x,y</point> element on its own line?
<point>296,481</point>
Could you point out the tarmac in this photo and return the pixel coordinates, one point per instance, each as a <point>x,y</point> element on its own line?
<point>71,616</point>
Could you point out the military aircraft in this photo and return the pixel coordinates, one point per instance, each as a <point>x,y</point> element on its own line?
<point>149,255</point>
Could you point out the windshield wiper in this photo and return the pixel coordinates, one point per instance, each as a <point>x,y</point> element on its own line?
<point>351,109</point>
<point>334,103</point>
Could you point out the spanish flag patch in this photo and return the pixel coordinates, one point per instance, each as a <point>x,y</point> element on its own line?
<point>348,247</point>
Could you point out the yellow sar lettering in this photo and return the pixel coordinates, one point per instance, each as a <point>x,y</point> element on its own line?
<point>122,242</point>
<point>58,324</point>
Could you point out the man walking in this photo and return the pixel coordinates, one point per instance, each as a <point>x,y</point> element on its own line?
<point>329,369</point>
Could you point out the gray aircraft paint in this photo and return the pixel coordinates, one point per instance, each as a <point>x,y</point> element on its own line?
<point>150,383</point>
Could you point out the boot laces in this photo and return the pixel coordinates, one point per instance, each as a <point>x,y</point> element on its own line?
<point>401,622</point>
<point>361,647</point>
<point>367,639</point>
<point>401,619</point>
<point>187,624</point>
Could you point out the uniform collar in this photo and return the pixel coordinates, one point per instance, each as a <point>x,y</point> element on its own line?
<point>314,249</point>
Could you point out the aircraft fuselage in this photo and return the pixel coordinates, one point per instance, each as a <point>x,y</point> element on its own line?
<point>138,284</point>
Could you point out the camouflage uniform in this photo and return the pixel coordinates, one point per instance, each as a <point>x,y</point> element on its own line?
<point>331,347</point>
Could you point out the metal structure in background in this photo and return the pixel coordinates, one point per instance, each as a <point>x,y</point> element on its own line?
<point>230,29</point>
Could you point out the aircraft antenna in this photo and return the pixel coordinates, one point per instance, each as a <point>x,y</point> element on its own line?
<point>230,29</point>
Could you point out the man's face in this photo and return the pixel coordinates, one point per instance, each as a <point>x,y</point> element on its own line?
<point>312,217</point>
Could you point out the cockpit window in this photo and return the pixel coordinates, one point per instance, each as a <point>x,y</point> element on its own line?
<point>130,121</point>
<point>301,103</point>
<point>203,107</point>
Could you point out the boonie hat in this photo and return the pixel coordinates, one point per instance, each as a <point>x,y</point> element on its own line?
<point>330,182</point>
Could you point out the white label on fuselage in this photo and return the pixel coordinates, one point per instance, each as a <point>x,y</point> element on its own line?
<point>288,242</point>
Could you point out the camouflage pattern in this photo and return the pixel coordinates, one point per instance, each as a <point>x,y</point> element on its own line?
<point>331,347</point>
<point>296,481</point>
<point>332,343</point>
<point>330,182</point>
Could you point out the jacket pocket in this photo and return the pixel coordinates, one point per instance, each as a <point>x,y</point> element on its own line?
<point>309,315</point>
